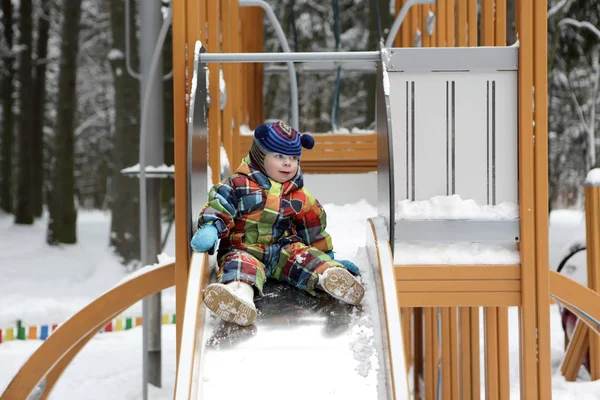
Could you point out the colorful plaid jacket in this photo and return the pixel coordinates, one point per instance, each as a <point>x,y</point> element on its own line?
<point>253,213</point>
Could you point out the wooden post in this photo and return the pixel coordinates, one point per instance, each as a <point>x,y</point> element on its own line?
<point>472,37</point>
<point>528,310</point>
<point>592,223</point>
<point>540,82</point>
<point>214,112</point>
<point>227,34</point>
<point>237,89</point>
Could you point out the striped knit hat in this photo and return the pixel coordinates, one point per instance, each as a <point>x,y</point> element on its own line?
<point>278,137</point>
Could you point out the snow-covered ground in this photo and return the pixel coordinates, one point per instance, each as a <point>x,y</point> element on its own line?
<point>44,285</point>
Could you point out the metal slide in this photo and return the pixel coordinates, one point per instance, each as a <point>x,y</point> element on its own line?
<point>301,346</point>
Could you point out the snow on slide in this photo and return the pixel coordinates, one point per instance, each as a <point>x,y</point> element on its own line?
<point>301,347</point>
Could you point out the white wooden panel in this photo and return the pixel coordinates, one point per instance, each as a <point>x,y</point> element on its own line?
<point>507,153</point>
<point>430,136</point>
<point>398,106</point>
<point>471,133</point>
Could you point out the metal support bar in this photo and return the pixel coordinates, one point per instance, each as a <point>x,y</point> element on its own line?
<point>325,68</point>
<point>323,56</point>
<point>457,230</point>
<point>128,66</point>
<point>389,42</point>
<point>286,48</point>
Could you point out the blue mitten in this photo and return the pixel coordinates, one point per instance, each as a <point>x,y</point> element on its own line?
<point>349,265</point>
<point>205,239</point>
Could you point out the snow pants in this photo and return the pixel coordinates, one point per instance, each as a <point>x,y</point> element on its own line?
<point>297,264</point>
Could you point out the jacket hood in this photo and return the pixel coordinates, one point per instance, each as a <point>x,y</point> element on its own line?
<point>254,174</point>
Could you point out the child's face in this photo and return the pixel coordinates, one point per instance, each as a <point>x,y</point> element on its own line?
<point>280,167</point>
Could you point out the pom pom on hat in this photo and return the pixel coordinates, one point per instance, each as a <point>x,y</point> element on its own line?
<point>307,141</point>
<point>261,131</point>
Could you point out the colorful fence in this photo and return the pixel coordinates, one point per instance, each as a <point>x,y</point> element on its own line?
<point>42,332</point>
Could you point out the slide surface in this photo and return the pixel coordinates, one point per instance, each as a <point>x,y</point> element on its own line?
<point>301,347</point>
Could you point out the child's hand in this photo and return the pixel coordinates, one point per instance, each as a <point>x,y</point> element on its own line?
<point>205,239</point>
<point>349,265</point>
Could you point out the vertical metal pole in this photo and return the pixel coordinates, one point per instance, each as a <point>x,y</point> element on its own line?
<point>152,111</point>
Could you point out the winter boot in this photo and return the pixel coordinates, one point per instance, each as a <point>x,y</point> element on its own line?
<point>233,302</point>
<point>342,285</point>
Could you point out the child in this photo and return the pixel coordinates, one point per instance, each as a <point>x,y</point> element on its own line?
<point>270,227</point>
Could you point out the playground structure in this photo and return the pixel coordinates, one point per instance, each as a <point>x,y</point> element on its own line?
<point>479,146</point>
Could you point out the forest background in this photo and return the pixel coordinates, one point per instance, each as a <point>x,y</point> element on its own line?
<point>69,110</point>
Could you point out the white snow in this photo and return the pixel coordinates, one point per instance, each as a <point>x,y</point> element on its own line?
<point>43,285</point>
<point>115,54</point>
<point>593,177</point>
<point>246,131</point>
<point>455,253</point>
<point>454,207</point>
<point>157,169</point>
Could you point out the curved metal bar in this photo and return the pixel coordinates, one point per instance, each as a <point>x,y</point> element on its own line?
<point>286,48</point>
<point>128,66</point>
<point>130,70</point>
<point>78,328</point>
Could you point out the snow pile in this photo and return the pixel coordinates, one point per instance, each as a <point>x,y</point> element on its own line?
<point>159,169</point>
<point>454,207</point>
<point>593,177</point>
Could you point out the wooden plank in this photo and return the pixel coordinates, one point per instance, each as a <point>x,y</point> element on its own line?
<point>457,272</point>
<point>440,23</point>
<point>499,285</point>
<point>465,353</point>
<point>405,27</point>
<point>472,37</point>
<point>426,36</point>
<point>475,362</point>
<point>461,23</point>
<point>446,355</point>
<point>461,299</point>
<point>214,112</point>
<point>592,214</point>
<point>503,354</point>
<point>227,113</point>
<point>450,17</point>
<point>540,82</point>
<point>491,353</point>
<point>418,368</point>
<point>430,354</point>
<point>236,82</point>
<point>576,352</point>
<point>407,325</point>
<point>500,23</point>
<point>455,358</point>
<point>528,311</point>
<point>487,22</point>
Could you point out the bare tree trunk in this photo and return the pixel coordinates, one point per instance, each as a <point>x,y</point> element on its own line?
<point>381,20</point>
<point>39,99</point>
<point>124,191</point>
<point>62,227</point>
<point>6,85</point>
<point>24,203</point>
